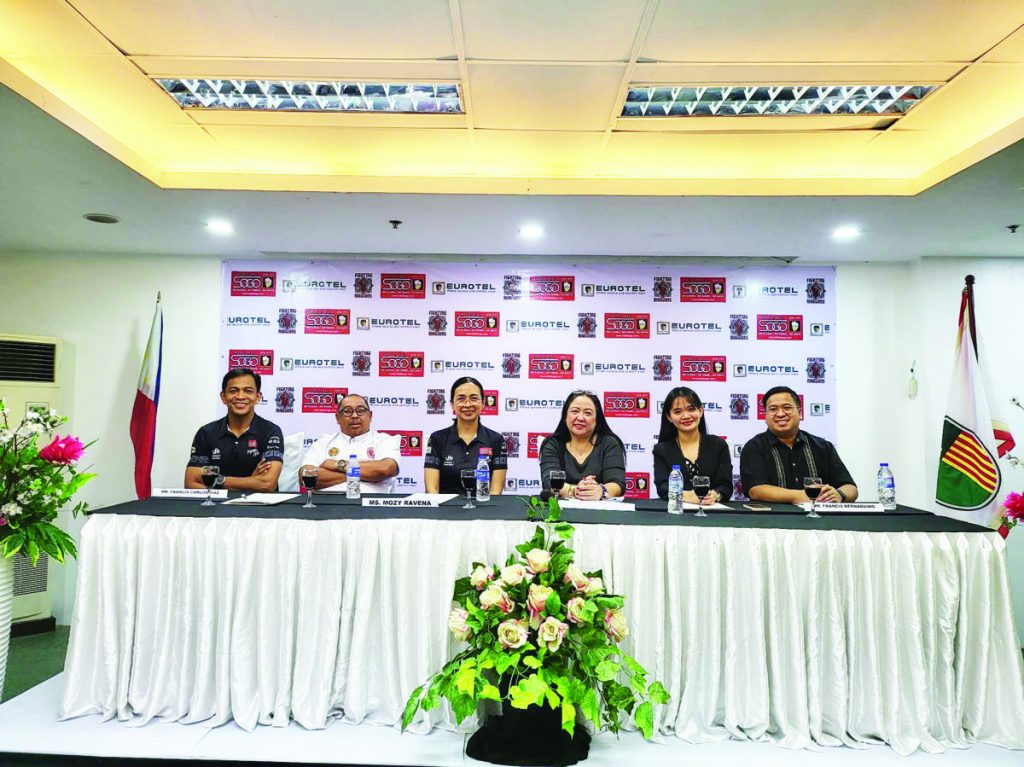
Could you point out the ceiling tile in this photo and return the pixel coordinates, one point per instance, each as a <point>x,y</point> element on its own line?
<point>812,30</point>
<point>298,69</point>
<point>542,30</point>
<point>543,97</point>
<point>372,29</point>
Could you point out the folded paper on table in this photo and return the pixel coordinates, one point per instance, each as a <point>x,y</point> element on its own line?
<point>608,505</point>
<point>187,492</point>
<point>861,507</point>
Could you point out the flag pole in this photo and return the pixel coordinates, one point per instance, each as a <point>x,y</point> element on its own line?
<point>969,291</point>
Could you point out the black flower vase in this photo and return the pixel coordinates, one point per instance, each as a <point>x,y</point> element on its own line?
<point>528,737</point>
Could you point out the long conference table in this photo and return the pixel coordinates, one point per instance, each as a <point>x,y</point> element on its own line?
<point>852,629</point>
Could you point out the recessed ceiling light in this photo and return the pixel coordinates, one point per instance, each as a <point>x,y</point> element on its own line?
<point>845,233</point>
<point>101,218</point>
<point>771,100</point>
<point>220,227</point>
<point>531,231</point>
<point>314,95</point>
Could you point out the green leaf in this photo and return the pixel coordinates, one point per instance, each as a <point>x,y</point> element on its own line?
<point>644,718</point>
<point>503,662</point>
<point>489,692</point>
<point>632,665</point>
<point>590,707</point>
<point>658,693</point>
<point>607,670</point>
<point>553,700</point>
<point>568,717</point>
<point>465,679</point>
<point>463,706</point>
<point>531,661</point>
<point>554,510</point>
<point>529,692</point>
<point>564,530</point>
<point>33,552</point>
<point>411,706</point>
<point>553,603</point>
<point>638,683</point>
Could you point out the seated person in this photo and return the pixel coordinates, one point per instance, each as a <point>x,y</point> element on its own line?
<point>378,453</point>
<point>584,446</point>
<point>684,442</point>
<point>247,449</point>
<point>773,465</point>
<point>458,447</point>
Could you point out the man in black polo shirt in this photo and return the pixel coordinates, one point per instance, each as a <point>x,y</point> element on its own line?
<point>249,450</point>
<point>773,464</point>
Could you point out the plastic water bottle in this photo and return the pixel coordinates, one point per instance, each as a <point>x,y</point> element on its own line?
<point>675,491</point>
<point>352,478</point>
<point>886,488</point>
<point>483,475</point>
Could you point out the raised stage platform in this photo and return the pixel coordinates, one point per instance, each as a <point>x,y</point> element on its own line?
<point>31,735</point>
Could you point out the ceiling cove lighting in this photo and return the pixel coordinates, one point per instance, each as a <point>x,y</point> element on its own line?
<point>771,100</point>
<point>531,231</point>
<point>846,233</point>
<point>314,95</point>
<point>220,227</point>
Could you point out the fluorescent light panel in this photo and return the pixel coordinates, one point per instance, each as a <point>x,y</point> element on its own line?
<point>314,95</point>
<point>771,100</point>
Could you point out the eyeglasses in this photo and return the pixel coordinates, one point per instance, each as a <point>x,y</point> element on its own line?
<point>348,412</point>
<point>474,399</point>
<point>781,408</point>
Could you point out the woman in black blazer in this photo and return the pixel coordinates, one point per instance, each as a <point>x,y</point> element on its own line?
<point>684,441</point>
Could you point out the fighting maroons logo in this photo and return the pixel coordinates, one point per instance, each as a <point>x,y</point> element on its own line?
<point>662,289</point>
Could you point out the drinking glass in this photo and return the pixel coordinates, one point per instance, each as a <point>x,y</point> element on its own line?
<point>701,488</point>
<point>209,477</point>
<point>309,475</point>
<point>468,477</point>
<point>812,489</point>
<point>556,481</point>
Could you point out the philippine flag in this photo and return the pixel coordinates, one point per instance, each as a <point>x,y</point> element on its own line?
<point>143,425</point>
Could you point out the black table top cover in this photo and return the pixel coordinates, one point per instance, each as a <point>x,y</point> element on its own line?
<point>511,507</point>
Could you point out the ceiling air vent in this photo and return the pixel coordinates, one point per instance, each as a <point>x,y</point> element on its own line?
<point>27,361</point>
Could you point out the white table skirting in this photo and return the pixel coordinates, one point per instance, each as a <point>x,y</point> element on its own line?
<point>792,636</point>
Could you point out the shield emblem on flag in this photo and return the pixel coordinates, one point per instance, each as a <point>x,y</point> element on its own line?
<point>969,476</point>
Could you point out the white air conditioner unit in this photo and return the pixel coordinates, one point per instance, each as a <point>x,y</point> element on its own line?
<point>28,379</point>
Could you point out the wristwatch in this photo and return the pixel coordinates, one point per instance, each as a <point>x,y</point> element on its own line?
<point>342,467</point>
<point>218,481</point>
<point>842,495</point>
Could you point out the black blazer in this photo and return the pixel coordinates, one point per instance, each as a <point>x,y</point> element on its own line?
<point>713,461</point>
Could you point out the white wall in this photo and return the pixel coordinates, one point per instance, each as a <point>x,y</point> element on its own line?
<point>889,315</point>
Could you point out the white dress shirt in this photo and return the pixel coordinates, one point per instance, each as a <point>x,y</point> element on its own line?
<point>371,446</point>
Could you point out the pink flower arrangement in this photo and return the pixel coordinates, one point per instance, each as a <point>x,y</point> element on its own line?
<point>63,450</point>
<point>1013,512</point>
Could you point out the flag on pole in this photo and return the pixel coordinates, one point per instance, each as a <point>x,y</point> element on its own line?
<point>972,440</point>
<point>143,424</point>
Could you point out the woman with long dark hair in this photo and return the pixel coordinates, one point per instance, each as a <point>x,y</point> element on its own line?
<point>584,446</point>
<point>458,447</point>
<point>684,441</point>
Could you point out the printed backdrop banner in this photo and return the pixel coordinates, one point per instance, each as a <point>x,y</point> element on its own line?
<point>400,333</point>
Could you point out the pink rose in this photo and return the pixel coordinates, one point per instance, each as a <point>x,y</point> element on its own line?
<point>512,634</point>
<point>536,600</point>
<point>594,586</point>
<point>575,576</point>
<point>615,625</point>
<point>63,450</point>
<point>457,624</point>
<point>551,633</point>
<point>495,596</point>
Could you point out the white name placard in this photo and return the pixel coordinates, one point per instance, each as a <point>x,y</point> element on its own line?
<point>181,492</point>
<point>862,507</point>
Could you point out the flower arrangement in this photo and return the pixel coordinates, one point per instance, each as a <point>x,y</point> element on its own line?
<point>1012,512</point>
<point>540,631</point>
<point>36,483</point>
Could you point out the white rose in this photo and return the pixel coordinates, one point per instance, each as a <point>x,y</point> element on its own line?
<point>538,559</point>
<point>481,576</point>
<point>551,633</point>
<point>574,609</point>
<point>595,586</point>
<point>512,634</point>
<point>495,596</point>
<point>457,624</point>
<point>575,576</point>
<point>513,575</point>
<point>615,625</point>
